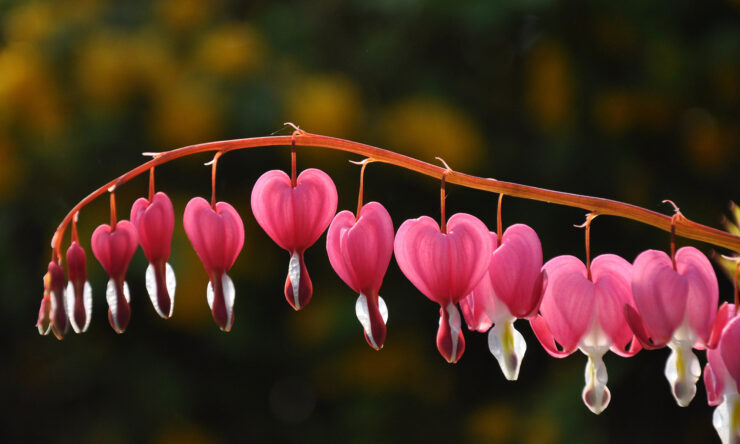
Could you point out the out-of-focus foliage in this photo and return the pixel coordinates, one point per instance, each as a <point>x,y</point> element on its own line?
<point>638,101</point>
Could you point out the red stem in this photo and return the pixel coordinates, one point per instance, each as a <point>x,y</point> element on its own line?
<point>684,227</point>
<point>293,168</point>
<point>113,219</point>
<point>151,184</point>
<point>499,223</point>
<point>214,167</point>
<point>362,188</point>
<point>442,196</point>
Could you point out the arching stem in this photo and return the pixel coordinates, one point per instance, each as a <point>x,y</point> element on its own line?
<point>587,226</point>
<point>75,236</point>
<point>683,227</point>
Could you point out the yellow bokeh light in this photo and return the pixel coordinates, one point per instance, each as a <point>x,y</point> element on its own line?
<point>425,127</point>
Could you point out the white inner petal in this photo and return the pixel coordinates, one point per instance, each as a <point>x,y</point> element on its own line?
<point>722,419</point>
<point>454,323</point>
<point>682,369</point>
<point>227,285</point>
<point>151,288</point>
<point>294,273</point>
<point>363,315</point>
<point>110,296</point>
<point>508,347</point>
<point>595,393</point>
<point>171,284</point>
<point>69,305</point>
<point>87,302</point>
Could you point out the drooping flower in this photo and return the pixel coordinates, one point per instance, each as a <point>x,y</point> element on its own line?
<point>360,251</point>
<point>114,247</point>
<point>511,289</point>
<point>294,217</point>
<point>722,376</point>
<point>217,235</point>
<point>52,314</point>
<point>676,305</point>
<point>445,267</point>
<point>155,222</point>
<point>585,311</point>
<point>78,297</point>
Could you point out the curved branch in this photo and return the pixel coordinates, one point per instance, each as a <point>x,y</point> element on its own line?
<point>683,227</point>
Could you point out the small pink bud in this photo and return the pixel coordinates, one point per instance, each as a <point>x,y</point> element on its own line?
<point>217,235</point>
<point>79,293</point>
<point>54,300</point>
<point>114,249</point>
<point>295,217</point>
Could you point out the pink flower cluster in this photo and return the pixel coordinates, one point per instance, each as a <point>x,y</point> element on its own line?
<point>606,305</point>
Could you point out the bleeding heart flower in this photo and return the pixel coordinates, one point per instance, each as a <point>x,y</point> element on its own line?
<point>445,267</point>
<point>511,289</point>
<point>360,251</point>
<point>52,315</point>
<point>217,235</point>
<point>114,248</point>
<point>78,297</point>
<point>722,375</point>
<point>295,217</point>
<point>675,306</point>
<point>155,223</point>
<point>585,312</point>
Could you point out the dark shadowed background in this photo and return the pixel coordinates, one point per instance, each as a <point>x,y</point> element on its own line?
<point>638,102</point>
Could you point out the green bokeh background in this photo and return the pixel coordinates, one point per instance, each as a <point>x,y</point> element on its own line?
<point>636,101</point>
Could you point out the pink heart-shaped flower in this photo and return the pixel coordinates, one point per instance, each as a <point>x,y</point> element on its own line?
<point>155,223</point>
<point>114,249</point>
<point>665,297</point>
<point>445,267</point>
<point>360,251</point>
<point>295,217</point>
<point>217,235</point>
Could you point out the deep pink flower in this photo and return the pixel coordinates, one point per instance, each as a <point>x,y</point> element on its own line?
<point>445,267</point>
<point>78,297</point>
<point>722,376</point>
<point>114,249</point>
<point>587,314</point>
<point>217,235</point>
<point>52,314</point>
<point>295,217</point>
<point>360,251</point>
<point>511,289</point>
<point>675,307</point>
<point>155,223</point>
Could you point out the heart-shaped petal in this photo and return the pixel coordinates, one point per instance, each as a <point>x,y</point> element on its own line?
<point>294,217</point>
<point>115,247</point>
<point>729,348</point>
<point>660,294</point>
<point>445,267</point>
<point>516,270</point>
<point>155,223</point>
<point>360,250</point>
<point>703,294</point>
<point>481,306</point>
<point>612,277</point>
<point>569,302</point>
<point>217,235</point>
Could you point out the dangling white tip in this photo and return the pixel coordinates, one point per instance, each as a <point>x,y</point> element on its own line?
<point>508,346</point>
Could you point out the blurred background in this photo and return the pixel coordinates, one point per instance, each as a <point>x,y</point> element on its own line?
<point>636,101</point>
